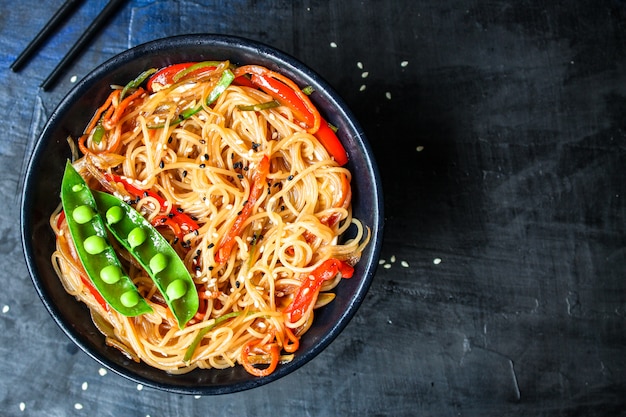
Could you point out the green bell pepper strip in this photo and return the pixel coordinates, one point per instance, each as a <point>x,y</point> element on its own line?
<point>154,254</point>
<point>260,106</point>
<point>137,82</point>
<point>225,80</point>
<point>98,257</point>
<point>196,341</point>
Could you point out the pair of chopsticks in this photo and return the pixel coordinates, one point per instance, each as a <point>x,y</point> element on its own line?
<point>64,11</point>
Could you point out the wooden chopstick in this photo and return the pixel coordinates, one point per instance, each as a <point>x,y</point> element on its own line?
<point>93,28</point>
<point>52,24</point>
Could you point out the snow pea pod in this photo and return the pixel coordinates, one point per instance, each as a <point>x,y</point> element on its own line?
<point>154,254</point>
<point>96,254</point>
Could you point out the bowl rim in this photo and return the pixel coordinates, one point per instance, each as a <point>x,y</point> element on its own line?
<point>208,40</point>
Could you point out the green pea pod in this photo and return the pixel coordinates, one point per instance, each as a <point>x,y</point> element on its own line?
<point>92,246</point>
<point>154,254</point>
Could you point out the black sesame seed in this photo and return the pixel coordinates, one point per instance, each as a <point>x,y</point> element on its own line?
<point>237,284</point>
<point>202,165</point>
<point>170,139</point>
<point>197,268</point>
<point>184,174</point>
<point>175,241</point>
<point>240,176</point>
<point>206,156</point>
<point>290,177</point>
<point>282,208</point>
<point>238,165</point>
<point>211,268</point>
<point>238,213</point>
<point>179,209</point>
<point>161,164</point>
<point>145,194</point>
<point>170,215</point>
<point>210,245</point>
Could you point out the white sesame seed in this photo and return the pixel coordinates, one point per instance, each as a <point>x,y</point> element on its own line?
<point>362,88</point>
<point>364,74</point>
<point>102,371</point>
<point>197,397</point>
<point>404,264</point>
<point>78,406</point>
<point>139,387</point>
<point>382,261</point>
<point>419,148</point>
<point>73,79</point>
<point>84,386</point>
<point>387,266</point>
<point>333,44</point>
<point>359,65</point>
<point>392,259</point>
<point>388,95</point>
<point>437,261</point>
<point>404,63</point>
<point>5,309</point>
<point>22,406</point>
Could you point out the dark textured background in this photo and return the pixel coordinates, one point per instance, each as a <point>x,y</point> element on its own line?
<point>499,130</point>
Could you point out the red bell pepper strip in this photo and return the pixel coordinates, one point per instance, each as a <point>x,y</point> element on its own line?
<point>94,292</point>
<point>225,246</point>
<point>179,222</point>
<point>311,285</point>
<point>84,280</point>
<point>165,76</point>
<point>244,81</point>
<point>285,96</point>
<point>287,93</point>
<point>330,141</point>
<point>271,349</point>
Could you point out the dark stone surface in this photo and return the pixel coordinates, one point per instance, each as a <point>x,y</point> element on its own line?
<point>499,129</point>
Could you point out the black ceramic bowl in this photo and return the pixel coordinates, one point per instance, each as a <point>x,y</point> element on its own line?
<point>41,196</point>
